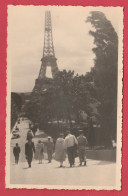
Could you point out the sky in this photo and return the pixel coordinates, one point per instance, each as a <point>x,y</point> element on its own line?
<point>72,42</point>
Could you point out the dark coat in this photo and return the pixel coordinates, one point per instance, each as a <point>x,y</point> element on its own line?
<point>49,145</point>
<point>29,149</point>
<point>29,136</point>
<point>16,151</point>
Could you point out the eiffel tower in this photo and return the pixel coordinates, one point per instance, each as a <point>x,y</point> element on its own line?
<point>48,59</point>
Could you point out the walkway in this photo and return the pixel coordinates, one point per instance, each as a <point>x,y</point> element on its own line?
<point>96,173</point>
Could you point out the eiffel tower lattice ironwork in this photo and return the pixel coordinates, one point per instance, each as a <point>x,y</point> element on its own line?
<point>48,51</point>
<point>48,58</point>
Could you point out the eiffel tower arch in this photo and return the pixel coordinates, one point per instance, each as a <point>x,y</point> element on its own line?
<point>48,59</point>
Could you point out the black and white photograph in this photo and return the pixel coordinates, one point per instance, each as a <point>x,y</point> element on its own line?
<point>64,97</point>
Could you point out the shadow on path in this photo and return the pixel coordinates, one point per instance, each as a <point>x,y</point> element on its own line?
<point>103,163</point>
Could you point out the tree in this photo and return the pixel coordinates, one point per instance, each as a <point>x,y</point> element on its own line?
<point>105,72</point>
<point>16,103</point>
<point>63,100</point>
<point>63,84</point>
<point>83,95</point>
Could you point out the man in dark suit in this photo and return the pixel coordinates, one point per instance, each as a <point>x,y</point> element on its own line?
<point>16,152</point>
<point>50,146</point>
<point>29,149</point>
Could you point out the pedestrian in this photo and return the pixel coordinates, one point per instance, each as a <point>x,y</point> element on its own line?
<point>70,143</point>
<point>29,135</point>
<point>60,154</point>
<point>29,149</point>
<point>39,151</point>
<point>50,147</point>
<point>16,128</point>
<point>34,129</point>
<point>30,125</point>
<point>16,152</point>
<point>82,142</point>
<point>113,143</point>
<point>19,121</point>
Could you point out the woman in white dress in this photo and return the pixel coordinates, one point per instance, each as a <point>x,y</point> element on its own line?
<point>60,154</point>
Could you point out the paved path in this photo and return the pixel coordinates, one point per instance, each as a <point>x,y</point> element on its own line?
<point>97,173</point>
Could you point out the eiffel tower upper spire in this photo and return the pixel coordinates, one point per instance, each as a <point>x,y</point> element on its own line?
<point>48,40</point>
<point>48,50</point>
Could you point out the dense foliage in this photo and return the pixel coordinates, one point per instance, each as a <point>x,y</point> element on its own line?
<point>68,95</point>
<point>16,104</point>
<point>104,72</point>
